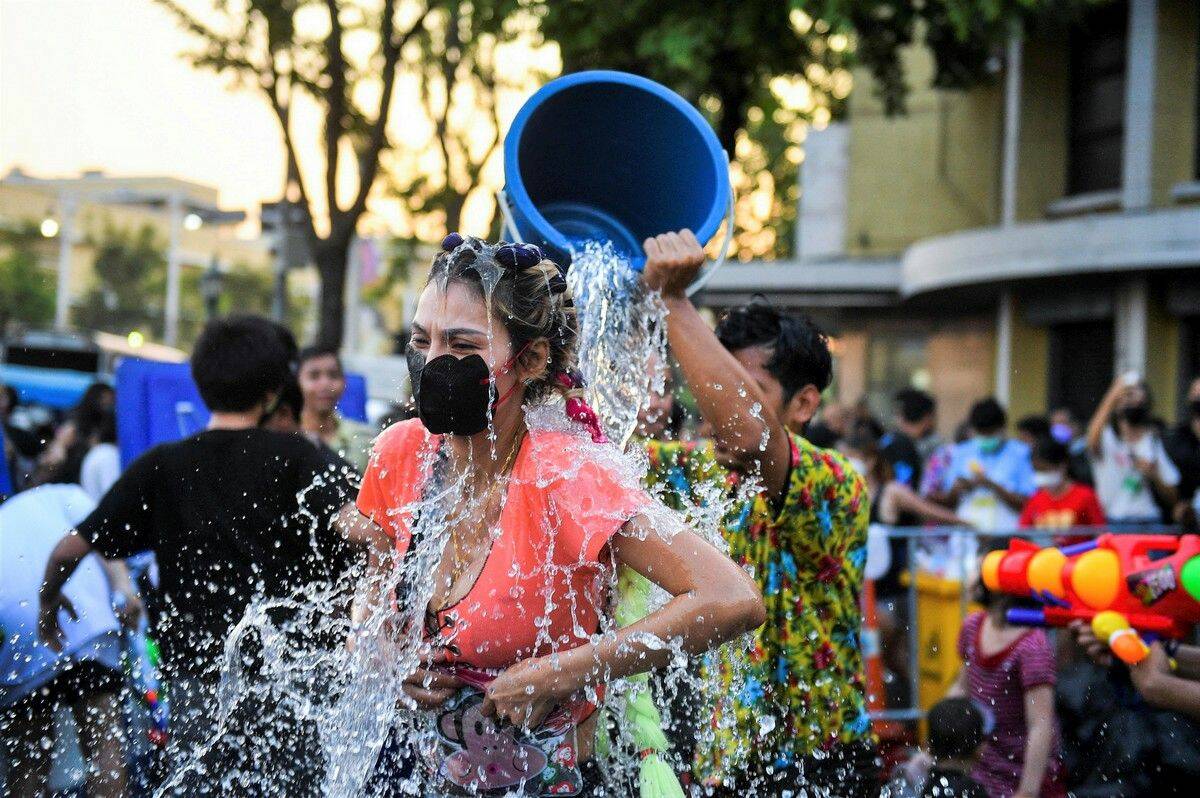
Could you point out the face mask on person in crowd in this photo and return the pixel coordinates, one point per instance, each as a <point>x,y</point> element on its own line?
<point>453,395</point>
<point>1136,414</point>
<point>858,465</point>
<point>1048,480</point>
<point>989,444</point>
<point>1062,433</point>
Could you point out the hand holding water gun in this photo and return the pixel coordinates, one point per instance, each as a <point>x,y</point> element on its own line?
<point>1126,587</point>
<point>142,659</point>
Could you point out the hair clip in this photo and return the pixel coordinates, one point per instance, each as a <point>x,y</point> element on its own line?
<point>518,256</point>
<point>452,242</point>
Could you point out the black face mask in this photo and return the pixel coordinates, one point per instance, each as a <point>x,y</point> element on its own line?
<point>452,394</point>
<point>1195,405</point>
<point>1137,414</point>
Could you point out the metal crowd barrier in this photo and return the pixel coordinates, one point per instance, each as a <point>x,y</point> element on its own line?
<point>968,539</point>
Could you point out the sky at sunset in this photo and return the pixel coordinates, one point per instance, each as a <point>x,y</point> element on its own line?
<point>88,84</point>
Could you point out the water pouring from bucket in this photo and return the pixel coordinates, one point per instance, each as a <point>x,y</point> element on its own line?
<point>612,158</point>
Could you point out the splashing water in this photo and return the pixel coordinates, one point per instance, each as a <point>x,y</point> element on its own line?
<point>347,701</point>
<point>622,335</point>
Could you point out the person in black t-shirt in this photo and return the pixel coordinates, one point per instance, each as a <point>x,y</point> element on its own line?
<point>1183,447</point>
<point>233,514</point>
<point>916,416</point>
<point>955,735</point>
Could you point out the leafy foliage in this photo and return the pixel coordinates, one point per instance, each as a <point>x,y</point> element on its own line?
<point>130,270</point>
<point>26,289</point>
<point>763,70</point>
<point>288,49</point>
<point>459,81</point>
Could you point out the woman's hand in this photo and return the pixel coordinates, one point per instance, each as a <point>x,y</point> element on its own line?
<point>1147,675</point>
<point>1096,649</point>
<point>49,629</point>
<point>430,688</point>
<point>526,692</point>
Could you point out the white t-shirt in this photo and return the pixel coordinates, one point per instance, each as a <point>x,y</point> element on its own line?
<point>1123,491</point>
<point>31,524</point>
<point>100,469</point>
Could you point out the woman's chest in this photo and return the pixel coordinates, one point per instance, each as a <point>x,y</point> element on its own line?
<point>522,604</point>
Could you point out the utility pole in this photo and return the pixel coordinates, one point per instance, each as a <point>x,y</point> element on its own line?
<point>67,205</point>
<point>174,265</point>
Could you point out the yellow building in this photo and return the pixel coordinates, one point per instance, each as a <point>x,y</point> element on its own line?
<point>1029,238</point>
<point>73,213</point>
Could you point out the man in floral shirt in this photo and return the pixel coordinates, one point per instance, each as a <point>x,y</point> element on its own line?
<point>795,713</point>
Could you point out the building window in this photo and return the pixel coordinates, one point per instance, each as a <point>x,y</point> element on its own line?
<point>1080,366</point>
<point>1096,121</point>
<point>894,361</point>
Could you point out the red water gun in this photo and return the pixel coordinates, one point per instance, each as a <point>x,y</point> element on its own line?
<point>1120,584</point>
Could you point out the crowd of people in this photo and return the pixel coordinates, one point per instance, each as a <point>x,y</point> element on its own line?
<point>1125,468</point>
<point>281,495</point>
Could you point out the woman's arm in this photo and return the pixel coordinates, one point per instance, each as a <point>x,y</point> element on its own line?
<point>1152,471</point>
<point>428,688</point>
<point>64,559</point>
<point>958,688</point>
<point>906,499</point>
<point>1095,427</point>
<point>1039,723</point>
<point>1160,687</point>
<point>129,609</point>
<point>714,601</point>
<point>1015,501</point>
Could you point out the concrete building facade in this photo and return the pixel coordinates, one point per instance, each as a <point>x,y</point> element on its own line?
<point>1029,238</point>
<point>74,212</point>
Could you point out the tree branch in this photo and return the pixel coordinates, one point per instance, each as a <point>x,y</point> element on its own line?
<point>335,117</point>
<point>368,162</point>
<point>282,108</point>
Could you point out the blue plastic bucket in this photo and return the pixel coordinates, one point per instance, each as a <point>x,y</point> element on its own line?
<point>609,156</point>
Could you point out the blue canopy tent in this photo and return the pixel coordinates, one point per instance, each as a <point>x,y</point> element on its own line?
<point>158,403</point>
<point>6,486</point>
<point>58,388</point>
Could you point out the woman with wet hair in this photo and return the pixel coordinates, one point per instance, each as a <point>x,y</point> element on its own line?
<point>538,511</point>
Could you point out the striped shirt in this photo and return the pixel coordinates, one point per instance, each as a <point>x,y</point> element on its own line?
<point>997,682</point>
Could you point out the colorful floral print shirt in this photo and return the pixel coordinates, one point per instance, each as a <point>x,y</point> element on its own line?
<point>802,687</point>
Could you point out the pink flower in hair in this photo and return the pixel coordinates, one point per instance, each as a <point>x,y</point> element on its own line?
<point>579,410</point>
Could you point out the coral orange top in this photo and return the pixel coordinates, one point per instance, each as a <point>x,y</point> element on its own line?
<point>543,586</point>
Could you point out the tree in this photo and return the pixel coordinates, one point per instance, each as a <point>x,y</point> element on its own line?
<point>289,49</point>
<point>130,270</point>
<point>763,69</point>
<point>463,81</point>
<point>244,289</point>
<point>26,290</point>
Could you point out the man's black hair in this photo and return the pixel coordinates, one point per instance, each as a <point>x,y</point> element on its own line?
<point>799,350</point>
<point>1035,426</point>
<point>987,415</point>
<point>313,352</point>
<point>291,397</point>
<point>914,405</point>
<point>237,361</point>
<point>955,729</point>
<point>1051,452</point>
<point>289,342</point>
